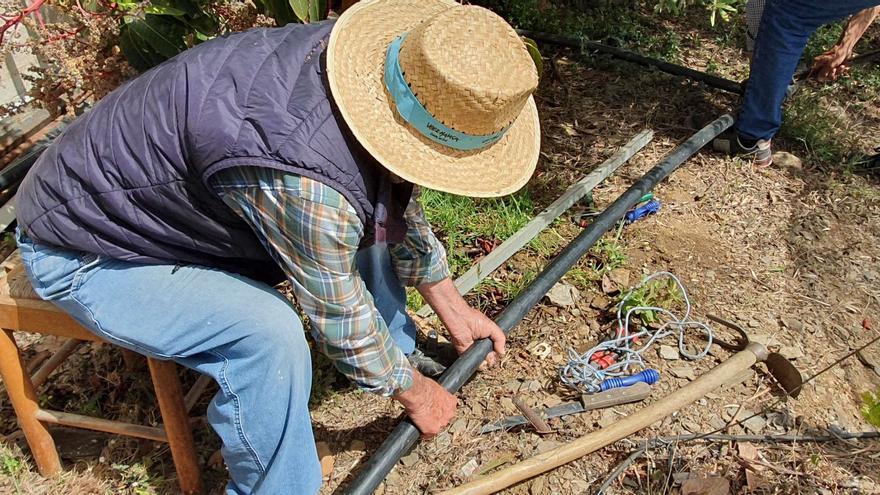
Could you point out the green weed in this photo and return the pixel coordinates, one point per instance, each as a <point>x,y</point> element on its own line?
<point>871,407</point>
<point>659,293</point>
<point>137,478</point>
<point>604,256</point>
<point>10,465</point>
<point>822,133</point>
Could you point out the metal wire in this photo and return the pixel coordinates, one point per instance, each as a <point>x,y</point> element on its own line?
<point>582,374</point>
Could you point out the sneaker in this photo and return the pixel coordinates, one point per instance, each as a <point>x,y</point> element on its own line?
<point>425,365</point>
<point>730,144</point>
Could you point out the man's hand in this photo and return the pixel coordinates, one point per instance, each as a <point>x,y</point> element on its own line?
<point>430,406</point>
<point>832,64</point>
<point>473,325</point>
<point>465,324</point>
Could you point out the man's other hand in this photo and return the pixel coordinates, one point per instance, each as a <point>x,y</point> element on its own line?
<point>473,325</point>
<point>464,323</point>
<point>831,64</point>
<point>430,406</point>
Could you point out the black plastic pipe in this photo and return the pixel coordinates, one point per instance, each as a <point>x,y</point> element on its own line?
<point>405,435</point>
<point>669,68</point>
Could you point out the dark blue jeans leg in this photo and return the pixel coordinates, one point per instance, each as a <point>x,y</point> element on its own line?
<point>786,27</point>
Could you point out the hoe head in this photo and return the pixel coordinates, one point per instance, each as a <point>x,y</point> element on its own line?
<point>785,374</point>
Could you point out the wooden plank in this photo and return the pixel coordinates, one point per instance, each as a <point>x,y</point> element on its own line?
<point>523,236</point>
<point>42,374</point>
<point>198,388</point>
<point>99,424</point>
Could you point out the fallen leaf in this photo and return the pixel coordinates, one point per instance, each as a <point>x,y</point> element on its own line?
<point>326,457</point>
<point>705,486</point>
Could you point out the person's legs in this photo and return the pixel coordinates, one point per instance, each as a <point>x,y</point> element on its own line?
<point>389,295</point>
<point>785,27</point>
<point>240,332</point>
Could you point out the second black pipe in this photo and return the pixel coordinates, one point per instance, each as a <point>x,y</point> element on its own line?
<point>405,435</point>
<point>662,65</point>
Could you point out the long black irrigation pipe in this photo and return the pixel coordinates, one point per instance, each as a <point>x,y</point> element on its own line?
<point>405,434</point>
<point>669,68</point>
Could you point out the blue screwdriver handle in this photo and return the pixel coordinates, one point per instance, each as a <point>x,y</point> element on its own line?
<point>648,376</point>
<point>646,209</point>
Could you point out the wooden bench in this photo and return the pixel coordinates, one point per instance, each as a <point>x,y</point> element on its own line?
<point>21,310</point>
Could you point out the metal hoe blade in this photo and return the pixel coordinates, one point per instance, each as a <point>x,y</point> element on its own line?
<point>788,377</point>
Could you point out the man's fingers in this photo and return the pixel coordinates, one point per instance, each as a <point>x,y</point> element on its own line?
<point>498,341</point>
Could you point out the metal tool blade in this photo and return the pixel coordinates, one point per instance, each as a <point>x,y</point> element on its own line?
<point>556,411</point>
<point>613,397</point>
<point>788,377</point>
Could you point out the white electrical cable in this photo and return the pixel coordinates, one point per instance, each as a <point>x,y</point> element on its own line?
<point>581,374</point>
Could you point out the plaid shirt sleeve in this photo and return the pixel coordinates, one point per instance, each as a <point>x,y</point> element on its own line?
<point>314,233</point>
<point>420,258</point>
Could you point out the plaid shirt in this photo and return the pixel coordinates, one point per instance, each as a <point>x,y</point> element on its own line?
<point>313,233</point>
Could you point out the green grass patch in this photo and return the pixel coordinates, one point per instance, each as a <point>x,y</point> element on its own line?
<point>822,133</point>
<point>606,255</point>
<point>459,221</point>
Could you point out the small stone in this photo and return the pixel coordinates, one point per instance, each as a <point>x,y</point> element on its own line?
<point>753,323</point>
<point>607,418</point>
<point>513,386</point>
<point>579,486</point>
<point>507,403</point>
<point>756,424</point>
<point>563,295</point>
<point>532,385</point>
<point>393,478</point>
<point>717,423</point>
<point>575,312</point>
<point>691,426</point>
<point>537,487</point>
<point>546,445</point>
<point>443,440</point>
<point>357,446</point>
<point>410,459</point>
<point>469,468</point>
<point>620,276</point>
<point>792,351</point>
<point>793,325</point>
<point>600,302</point>
<point>683,372</point>
<point>786,159</point>
<point>459,425</point>
<point>680,477</point>
<point>669,353</point>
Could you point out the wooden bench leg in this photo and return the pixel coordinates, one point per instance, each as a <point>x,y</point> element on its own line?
<point>175,418</point>
<point>24,401</point>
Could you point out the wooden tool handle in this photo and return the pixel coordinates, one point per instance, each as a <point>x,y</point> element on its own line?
<point>627,426</point>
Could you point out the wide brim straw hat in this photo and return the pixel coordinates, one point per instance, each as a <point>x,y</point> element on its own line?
<point>472,76</point>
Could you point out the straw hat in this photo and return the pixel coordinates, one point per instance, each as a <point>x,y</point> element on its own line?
<point>458,114</point>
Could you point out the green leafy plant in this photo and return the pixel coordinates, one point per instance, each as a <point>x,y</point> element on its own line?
<point>871,407</point>
<point>159,30</point>
<point>659,293</point>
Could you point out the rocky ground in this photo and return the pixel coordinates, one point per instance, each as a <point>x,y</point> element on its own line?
<point>791,253</point>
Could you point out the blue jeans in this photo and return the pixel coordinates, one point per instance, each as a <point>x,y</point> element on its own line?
<point>240,332</point>
<point>786,27</point>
